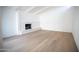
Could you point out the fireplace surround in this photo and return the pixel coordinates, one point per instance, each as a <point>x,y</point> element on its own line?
<point>27,26</point>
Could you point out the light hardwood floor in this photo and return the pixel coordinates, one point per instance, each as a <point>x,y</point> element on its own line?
<point>41,41</point>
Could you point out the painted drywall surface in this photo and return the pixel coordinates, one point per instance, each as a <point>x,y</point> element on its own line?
<point>1,28</point>
<point>0,21</point>
<point>76,26</point>
<point>25,18</point>
<point>58,19</point>
<point>9,24</point>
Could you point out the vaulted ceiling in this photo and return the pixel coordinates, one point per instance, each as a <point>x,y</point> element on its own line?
<point>35,9</point>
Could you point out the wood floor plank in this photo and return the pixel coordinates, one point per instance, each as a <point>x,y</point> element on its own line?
<point>41,41</point>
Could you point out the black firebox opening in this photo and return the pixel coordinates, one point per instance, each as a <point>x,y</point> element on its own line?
<point>27,26</point>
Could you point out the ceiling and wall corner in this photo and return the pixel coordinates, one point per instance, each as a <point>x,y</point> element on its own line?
<point>36,10</point>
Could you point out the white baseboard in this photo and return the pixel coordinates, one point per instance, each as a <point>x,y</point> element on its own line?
<point>55,30</point>
<point>8,36</point>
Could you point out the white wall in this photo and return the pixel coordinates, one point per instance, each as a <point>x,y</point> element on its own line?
<point>13,22</point>
<point>0,21</point>
<point>76,26</point>
<point>0,27</point>
<point>25,18</point>
<point>57,19</point>
<point>9,22</point>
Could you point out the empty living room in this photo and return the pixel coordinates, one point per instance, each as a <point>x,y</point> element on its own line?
<point>39,28</point>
